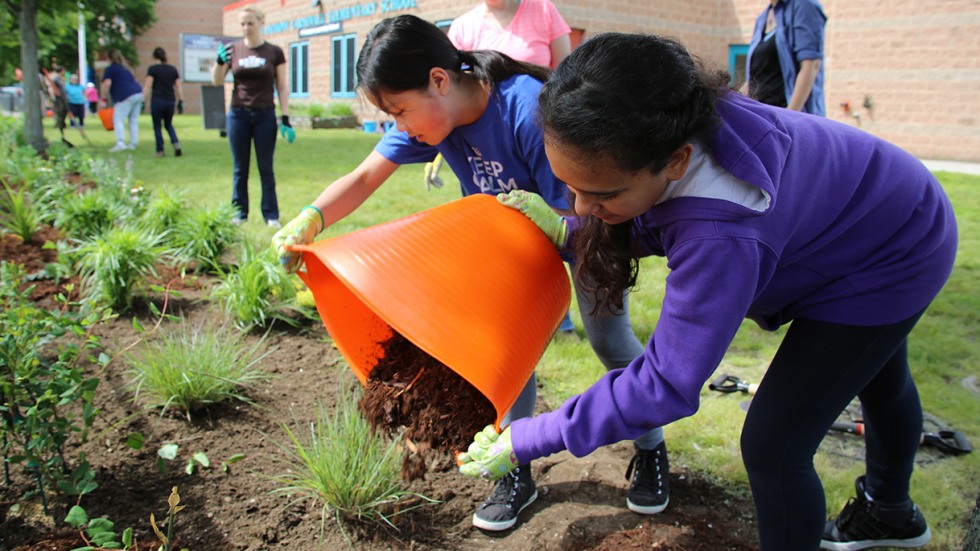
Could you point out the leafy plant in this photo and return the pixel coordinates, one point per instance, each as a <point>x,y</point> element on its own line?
<point>338,109</point>
<point>98,533</point>
<point>351,471</point>
<point>192,367</point>
<point>45,396</point>
<point>114,264</point>
<point>257,289</point>
<point>18,214</point>
<point>163,210</point>
<point>316,110</point>
<point>89,214</point>
<point>202,235</point>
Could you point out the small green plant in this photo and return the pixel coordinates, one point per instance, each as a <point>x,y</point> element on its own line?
<point>163,210</point>
<point>316,110</point>
<point>338,109</point>
<point>18,214</point>
<point>98,533</point>
<point>115,263</point>
<point>257,289</point>
<point>350,470</point>
<point>46,398</point>
<point>89,214</point>
<point>202,235</point>
<point>174,507</point>
<point>193,367</point>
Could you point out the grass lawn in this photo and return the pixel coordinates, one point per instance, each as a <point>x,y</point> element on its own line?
<point>943,348</point>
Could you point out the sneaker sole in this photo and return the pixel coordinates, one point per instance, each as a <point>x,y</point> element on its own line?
<point>648,509</point>
<point>499,526</point>
<point>868,544</point>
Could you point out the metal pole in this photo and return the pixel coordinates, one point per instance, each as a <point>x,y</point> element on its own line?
<point>82,53</point>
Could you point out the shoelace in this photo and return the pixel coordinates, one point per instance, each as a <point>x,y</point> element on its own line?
<point>639,461</point>
<point>503,495</point>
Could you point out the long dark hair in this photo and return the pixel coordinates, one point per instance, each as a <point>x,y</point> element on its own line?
<point>160,54</point>
<point>631,100</point>
<point>400,51</point>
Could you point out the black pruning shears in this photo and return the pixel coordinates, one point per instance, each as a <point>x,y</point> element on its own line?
<point>951,442</point>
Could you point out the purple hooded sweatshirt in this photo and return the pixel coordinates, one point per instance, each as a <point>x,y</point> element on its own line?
<point>856,232</point>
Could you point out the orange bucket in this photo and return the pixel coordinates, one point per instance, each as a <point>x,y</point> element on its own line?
<point>105,115</point>
<point>474,284</point>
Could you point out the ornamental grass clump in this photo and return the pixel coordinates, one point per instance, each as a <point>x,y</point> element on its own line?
<point>191,367</point>
<point>115,264</point>
<point>18,213</point>
<point>258,290</point>
<point>351,471</point>
<point>201,236</point>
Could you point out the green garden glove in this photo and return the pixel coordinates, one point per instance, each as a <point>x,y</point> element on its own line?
<point>299,231</point>
<point>534,207</point>
<point>286,130</point>
<point>490,456</point>
<point>224,54</point>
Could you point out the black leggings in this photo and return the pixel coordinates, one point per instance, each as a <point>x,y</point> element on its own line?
<point>819,368</point>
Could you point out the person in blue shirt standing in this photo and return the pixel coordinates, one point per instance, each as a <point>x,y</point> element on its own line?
<point>785,60</point>
<point>119,84</point>
<point>76,101</point>
<point>479,110</point>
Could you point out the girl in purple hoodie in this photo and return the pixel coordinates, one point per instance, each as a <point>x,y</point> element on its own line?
<point>765,213</point>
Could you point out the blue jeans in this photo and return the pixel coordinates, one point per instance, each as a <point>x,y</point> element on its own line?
<point>245,126</point>
<point>613,341</point>
<point>162,113</point>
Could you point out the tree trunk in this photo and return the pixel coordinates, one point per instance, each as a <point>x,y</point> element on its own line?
<point>972,541</point>
<point>33,127</point>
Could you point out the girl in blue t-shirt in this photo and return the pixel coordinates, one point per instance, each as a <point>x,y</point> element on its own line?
<point>479,109</point>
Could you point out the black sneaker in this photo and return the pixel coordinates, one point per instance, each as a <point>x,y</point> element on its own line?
<point>649,476</point>
<point>863,524</point>
<point>510,496</point>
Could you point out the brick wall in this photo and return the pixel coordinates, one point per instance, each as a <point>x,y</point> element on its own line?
<point>916,61</point>
<point>175,17</point>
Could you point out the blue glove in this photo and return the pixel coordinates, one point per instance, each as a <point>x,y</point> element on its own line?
<point>286,130</point>
<point>490,456</point>
<point>538,211</point>
<point>224,54</point>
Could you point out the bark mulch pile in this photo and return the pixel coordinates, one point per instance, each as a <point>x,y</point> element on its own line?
<point>437,409</point>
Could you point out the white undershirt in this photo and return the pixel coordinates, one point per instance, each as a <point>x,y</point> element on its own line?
<point>706,178</point>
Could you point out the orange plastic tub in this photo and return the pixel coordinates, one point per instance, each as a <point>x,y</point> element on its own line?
<point>473,283</point>
<point>105,115</point>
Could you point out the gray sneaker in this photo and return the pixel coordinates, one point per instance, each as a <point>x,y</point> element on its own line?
<point>649,476</point>
<point>510,496</point>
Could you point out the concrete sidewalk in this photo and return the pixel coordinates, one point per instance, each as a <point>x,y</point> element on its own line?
<point>952,166</point>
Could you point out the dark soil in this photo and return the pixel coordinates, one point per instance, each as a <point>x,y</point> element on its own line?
<point>581,503</point>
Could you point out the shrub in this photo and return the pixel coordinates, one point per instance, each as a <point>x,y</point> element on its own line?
<point>114,264</point>
<point>339,462</point>
<point>190,368</point>
<point>163,210</point>
<point>257,290</point>
<point>339,109</point>
<point>45,396</point>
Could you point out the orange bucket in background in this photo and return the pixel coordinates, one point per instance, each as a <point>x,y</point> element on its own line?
<point>474,284</point>
<point>105,115</point>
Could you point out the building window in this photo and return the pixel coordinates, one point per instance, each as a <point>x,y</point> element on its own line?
<point>299,70</point>
<point>737,55</point>
<point>343,79</point>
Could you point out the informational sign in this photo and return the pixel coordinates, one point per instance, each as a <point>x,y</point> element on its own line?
<point>198,53</point>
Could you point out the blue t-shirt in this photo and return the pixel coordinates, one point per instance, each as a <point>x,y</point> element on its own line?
<point>503,150</point>
<point>76,93</point>
<point>123,84</point>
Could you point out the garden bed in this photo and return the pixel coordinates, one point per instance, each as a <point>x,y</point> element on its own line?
<point>581,503</point>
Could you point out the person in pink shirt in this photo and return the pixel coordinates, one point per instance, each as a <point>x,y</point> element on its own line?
<point>526,30</point>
